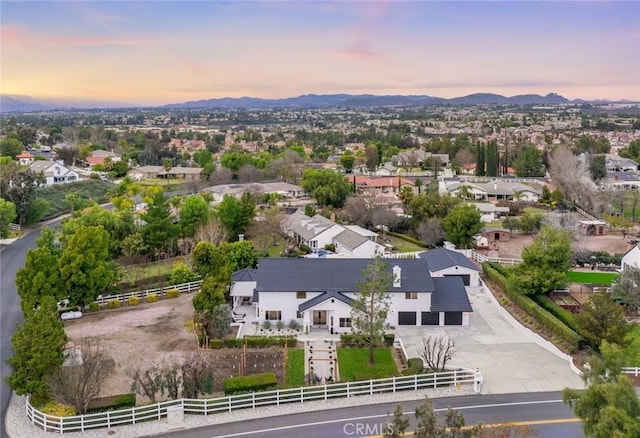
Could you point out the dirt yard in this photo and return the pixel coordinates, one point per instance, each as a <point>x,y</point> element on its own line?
<point>612,243</point>
<point>149,334</point>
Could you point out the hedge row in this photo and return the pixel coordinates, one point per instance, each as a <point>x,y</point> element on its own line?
<point>112,403</point>
<point>562,314</point>
<point>252,383</point>
<point>255,341</point>
<point>408,239</point>
<point>532,308</point>
<point>358,340</point>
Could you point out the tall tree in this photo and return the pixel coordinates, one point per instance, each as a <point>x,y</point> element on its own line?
<point>85,267</point>
<point>40,276</point>
<point>492,158</point>
<point>529,162</point>
<point>19,187</point>
<point>193,213</point>
<point>627,286</point>
<point>480,160</point>
<point>38,345</point>
<point>544,263</point>
<point>328,187</point>
<point>461,224</point>
<point>10,147</point>
<point>159,232</point>
<point>236,214</point>
<point>371,305</point>
<point>7,216</point>
<point>602,319</point>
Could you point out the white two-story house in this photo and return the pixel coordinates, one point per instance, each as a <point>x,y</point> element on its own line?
<point>55,172</point>
<point>319,293</point>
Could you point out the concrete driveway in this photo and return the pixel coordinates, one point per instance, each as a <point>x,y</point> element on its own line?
<point>510,357</point>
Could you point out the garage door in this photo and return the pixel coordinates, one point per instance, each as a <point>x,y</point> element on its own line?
<point>430,318</point>
<point>406,318</point>
<point>453,318</point>
<point>466,279</point>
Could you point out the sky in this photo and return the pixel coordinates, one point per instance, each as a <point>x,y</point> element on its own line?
<point>158,52</point>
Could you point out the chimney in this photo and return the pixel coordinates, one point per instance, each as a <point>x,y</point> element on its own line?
<point>495,185</point>
<point>397,278</point>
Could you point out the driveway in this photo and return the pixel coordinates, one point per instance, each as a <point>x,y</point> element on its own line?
<point>510,357</point>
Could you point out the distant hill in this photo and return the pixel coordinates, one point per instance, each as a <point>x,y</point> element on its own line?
<point>14,103</point>
<point>366,100</point>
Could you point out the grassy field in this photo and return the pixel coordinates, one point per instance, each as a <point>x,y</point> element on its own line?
<point>400,244</point>
<point>92,189</point>
<point>353,364</point>
<point>295,368</point>
<point>168,184</point>
<point>632,351</point>
<point>591,277</point>
<point>534,210</point>
<point>136,273</point>
<point>276,251</point>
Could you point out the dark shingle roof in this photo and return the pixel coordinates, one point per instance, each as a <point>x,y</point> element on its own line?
<point>340,275</point>
<point>246,274</point>
<point>450,296</point>
<point>441,258</point>
<point>323,297</point>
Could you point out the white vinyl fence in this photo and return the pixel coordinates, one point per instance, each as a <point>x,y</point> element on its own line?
<point>632,371</point>
<point>194,286</point>
<point>478,257</point>
<point>154,412</point>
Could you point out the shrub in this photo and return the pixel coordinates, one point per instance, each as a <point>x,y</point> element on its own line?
<point>215,343</point>
<point>266,324</point>
<point>113,304</point>
<point>293,324</point>
<point>389,338</point>
<point>134,301</point>
<point>181,273</point>
<point>58,409</point>
<point>280,324</point>
<point>415,365</point>
<point>111,403</point>
<point>172,293</point>
<point>330,247</point>
<point>233,343</point>
<point>255,382</point>
<point>94,307</point>
<point>562,314</point>
<point>152,298</point>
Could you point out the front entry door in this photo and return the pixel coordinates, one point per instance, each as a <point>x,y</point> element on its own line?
<point>319,317</point>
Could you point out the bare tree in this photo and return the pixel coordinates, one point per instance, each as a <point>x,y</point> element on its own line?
<point>171,379</point>
<point>221,176</point>
<point>464,157</point>
<point>249,174</point>
<point>382,216</point>
<point>265,231</point>
<point>148,382</point>
<point>436,351</point>
<point>571,175</point>
<point>197,375</point>
<point>564,221</point>
<point>212,231</point>
<point>430,231</point>
<point>82,380</point>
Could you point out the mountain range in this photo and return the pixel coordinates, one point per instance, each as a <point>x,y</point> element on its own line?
<point>13,103</point>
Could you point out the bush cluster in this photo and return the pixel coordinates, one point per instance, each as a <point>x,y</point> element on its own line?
<point>112,403</point>
<point>408,239</point>
<point>133,301</point>
<point>152,298</point>
<point>542,316</point>
<point>113,304</point>
<point>172,293</point>
<point>255,342</point>
<point>252,383</point>
<point>358,340</point>
<point>94,307</point>
<point>58,409</point>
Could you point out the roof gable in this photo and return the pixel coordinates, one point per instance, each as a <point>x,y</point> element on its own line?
<point>246,274</point>
<point>442,258</point>
<point>331,274</point>
<point>322,298</point>
<point>450,296</point>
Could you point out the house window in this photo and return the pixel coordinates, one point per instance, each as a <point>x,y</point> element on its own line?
<point>273,315</point>
<point>411,296</point>
<point>345,322</point>
<point>299,315</point>
<point>301,294</point>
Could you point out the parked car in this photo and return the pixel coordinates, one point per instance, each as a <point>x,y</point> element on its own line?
<point>71,315</point>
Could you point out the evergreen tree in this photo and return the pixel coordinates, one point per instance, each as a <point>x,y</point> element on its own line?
<point>159,231</point>
<point>480,159</point>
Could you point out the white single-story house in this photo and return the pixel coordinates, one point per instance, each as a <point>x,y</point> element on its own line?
<point>490,212</point>
<point>317,232</point>
<point>55,172</point>
<point>497,190</point>
<point>319,293</point>
<point>631,259</point>
<point>448,263</point>
<point>286,190</point>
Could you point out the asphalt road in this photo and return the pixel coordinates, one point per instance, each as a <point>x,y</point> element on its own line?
<point>544,411</point>
<point>11,259</point>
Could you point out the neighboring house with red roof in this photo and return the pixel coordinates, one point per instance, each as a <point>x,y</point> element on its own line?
<point>382,185</point>
<point>25,158</point>
<point>100,156</point>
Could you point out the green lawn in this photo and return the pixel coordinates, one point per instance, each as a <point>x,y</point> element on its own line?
<point>276,251</point>
<point>295,368</point>
<point>604,278</point>
<point>353,364</point>
<point>534,210</point>
<point>400,244</point>
<point>632,351</point>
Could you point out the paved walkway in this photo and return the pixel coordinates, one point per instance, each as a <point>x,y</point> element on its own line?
<point>511,357</point>
<point>321,359</point>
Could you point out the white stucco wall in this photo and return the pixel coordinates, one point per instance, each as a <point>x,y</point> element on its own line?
<point>631,258</point>
<point>325,237</point>
<point>459,270</point>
